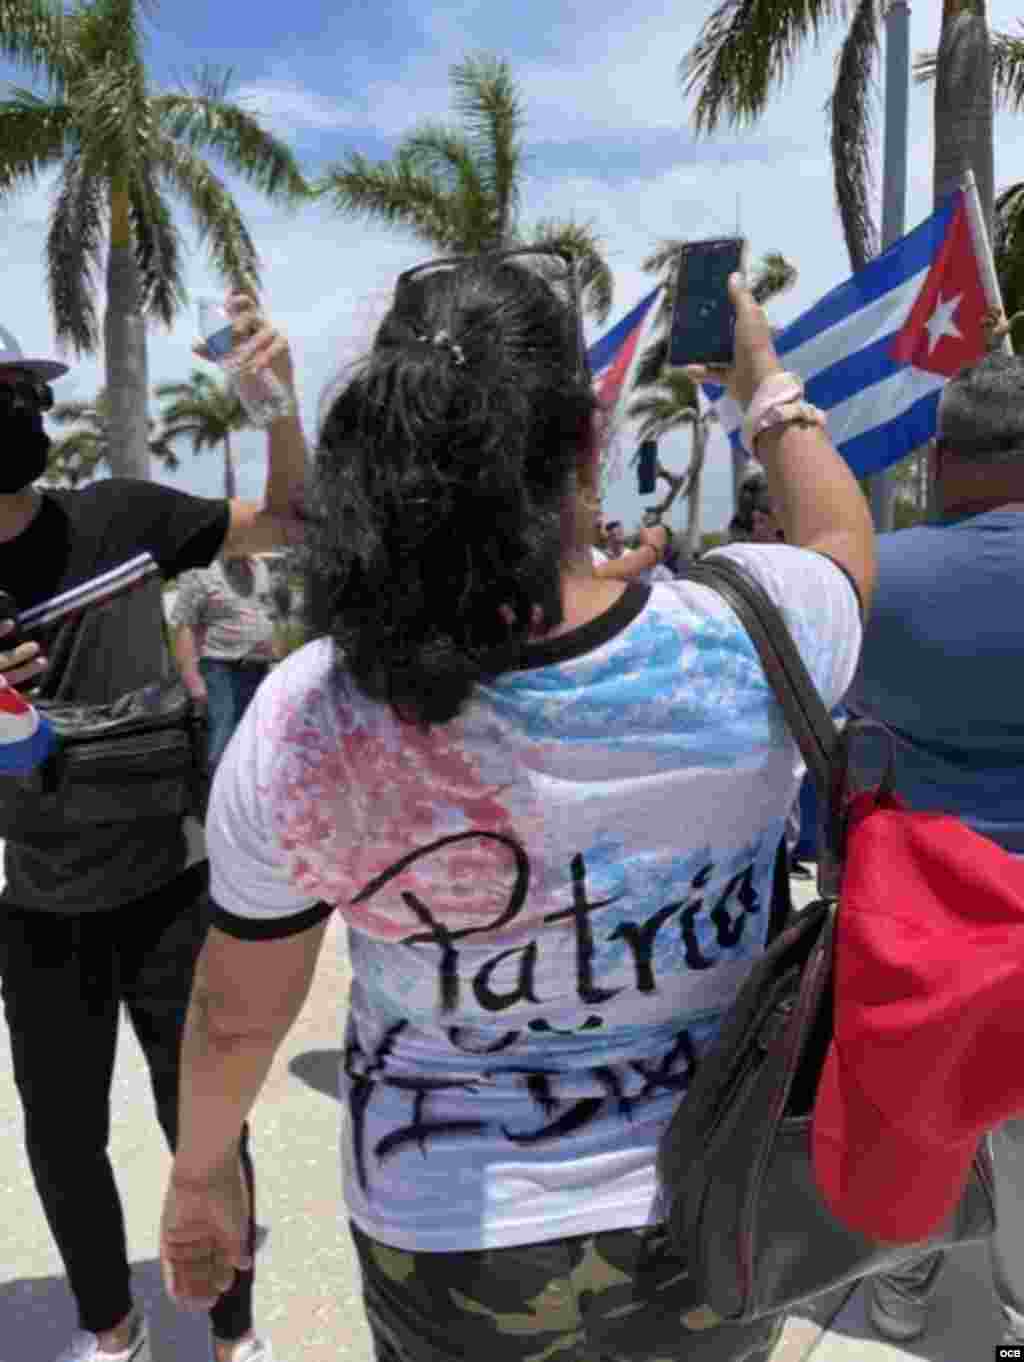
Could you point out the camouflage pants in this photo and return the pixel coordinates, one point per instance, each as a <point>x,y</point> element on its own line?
<point>621,1296</point>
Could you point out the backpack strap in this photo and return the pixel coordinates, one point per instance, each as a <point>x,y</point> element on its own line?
<point>810,723</point>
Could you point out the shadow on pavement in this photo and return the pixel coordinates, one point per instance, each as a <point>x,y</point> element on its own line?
<point>38,1318</point>
<point>318,1069</point>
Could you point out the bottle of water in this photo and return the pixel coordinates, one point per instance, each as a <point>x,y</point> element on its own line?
<point>263,395</point>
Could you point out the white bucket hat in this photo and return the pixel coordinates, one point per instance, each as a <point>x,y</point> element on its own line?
<point>11,355</point>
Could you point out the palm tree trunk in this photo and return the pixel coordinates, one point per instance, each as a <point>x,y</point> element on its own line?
<point>230,483</point>
<point>124,335</point>
<point>963,117</point>
<point>691,538</point>
<point>963,102</point>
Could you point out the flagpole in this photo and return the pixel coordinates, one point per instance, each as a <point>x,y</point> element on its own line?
<point>882,486</point>
<point>983,248</point>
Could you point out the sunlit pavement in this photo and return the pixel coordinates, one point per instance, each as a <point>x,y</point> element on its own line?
<point>307,1288</point>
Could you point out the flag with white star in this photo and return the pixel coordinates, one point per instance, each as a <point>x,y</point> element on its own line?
<point>944,329</point>
<point>875,353</point>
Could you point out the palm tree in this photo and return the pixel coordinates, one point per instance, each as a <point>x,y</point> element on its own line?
<point>671,400</point>
<point>207,413</point>
<point>749,47</point>
<point>670,404</point>
<point>1008,210</point>
<point>76,457</point>
<point>1008,249</point>
<point>122,150</point>
<point>458,188</point>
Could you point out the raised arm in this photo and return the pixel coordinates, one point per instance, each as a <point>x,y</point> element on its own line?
<point>636,561</point>
<point>817,499</point>
<point>275,522</point>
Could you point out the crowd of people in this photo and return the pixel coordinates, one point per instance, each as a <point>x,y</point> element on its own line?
<point>544,783</point>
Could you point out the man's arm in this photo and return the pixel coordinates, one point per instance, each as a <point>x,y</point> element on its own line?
<point>632,563</point>
<point>186,655</point>
<point>255,528</point>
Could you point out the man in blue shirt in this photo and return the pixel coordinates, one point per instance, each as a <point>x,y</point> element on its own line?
<point>943,666</point>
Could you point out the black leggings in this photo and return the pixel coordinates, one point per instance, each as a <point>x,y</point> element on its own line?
<point>63,980</point>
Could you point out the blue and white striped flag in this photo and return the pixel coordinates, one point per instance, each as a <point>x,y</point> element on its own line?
<point>875,353</point>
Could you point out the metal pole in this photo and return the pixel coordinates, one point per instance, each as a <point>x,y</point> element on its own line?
<point>894,190</point>
<point>983,249</point>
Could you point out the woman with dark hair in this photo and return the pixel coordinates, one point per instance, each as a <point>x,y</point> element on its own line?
<point>546,806</point>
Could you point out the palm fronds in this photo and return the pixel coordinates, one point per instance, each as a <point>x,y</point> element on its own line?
<point>216,215</point>
<point>209,122</point>
<point>457,188</point>
<point>595,278</point>
<point>74,256</point>
<point>488,103</point>
<point>745,51</point>
<point>33,137</point>
<point>392,193</point>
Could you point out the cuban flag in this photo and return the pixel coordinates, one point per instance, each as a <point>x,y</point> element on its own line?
<point>610,357</point>
<point>610,360</point>
<point>26,738</point>
<point>875,353</point>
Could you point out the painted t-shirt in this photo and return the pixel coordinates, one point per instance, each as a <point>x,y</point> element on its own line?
<point>550,900</point>
<point>235,626</point>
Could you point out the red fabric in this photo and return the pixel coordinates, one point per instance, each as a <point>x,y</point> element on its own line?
<point>929,1018</point>
<point>954,282</point>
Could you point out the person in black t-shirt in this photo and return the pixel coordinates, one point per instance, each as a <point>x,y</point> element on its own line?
<point>119,915</point>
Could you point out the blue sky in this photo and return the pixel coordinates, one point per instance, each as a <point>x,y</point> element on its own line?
<point>608,143</point>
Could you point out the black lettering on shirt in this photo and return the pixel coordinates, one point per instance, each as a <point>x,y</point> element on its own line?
<point>523,992</point>
<point>580,914</point>
<point>439,935</point>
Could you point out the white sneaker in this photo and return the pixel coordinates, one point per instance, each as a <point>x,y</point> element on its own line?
<point>252,1350</point>
<point>84,1347</point>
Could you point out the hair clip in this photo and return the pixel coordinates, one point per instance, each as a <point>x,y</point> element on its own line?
<point>445,342</point>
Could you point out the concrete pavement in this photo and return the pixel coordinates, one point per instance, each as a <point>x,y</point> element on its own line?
<point>307,1286</point>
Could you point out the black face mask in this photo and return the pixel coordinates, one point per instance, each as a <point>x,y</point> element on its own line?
<point>24,443</point>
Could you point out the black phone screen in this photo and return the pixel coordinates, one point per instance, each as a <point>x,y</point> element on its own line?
<point>703,319</point>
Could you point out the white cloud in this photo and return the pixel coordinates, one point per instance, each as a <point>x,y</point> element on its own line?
<point>611,77</point>
<point>287,107</point>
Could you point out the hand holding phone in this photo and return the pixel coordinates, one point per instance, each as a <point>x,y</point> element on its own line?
<point>703,319</point>
<point>755,358</point>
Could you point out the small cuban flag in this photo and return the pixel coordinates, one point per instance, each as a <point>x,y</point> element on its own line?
<point>611,359</point>
<point>26,738</point>
<point>611,356</point>
<point>876,352</point>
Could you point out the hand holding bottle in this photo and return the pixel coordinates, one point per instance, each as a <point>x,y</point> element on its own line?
<point>253,354</point>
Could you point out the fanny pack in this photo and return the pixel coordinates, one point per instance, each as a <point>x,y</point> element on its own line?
<point>141,756</point>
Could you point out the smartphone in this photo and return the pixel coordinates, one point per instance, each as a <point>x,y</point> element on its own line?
<point>9,611</point>
<point>647,468</point>
<point>703,319</point>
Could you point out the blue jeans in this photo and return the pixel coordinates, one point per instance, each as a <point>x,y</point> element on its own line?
<point>229,688</point>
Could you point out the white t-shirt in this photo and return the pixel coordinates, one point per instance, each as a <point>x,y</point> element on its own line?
<point>234,627</point>
<point>550,899</point>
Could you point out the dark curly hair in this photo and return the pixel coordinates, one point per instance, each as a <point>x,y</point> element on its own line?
<point>440,483</point>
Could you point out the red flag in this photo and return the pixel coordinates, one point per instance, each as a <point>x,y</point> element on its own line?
<point>944,329</point>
